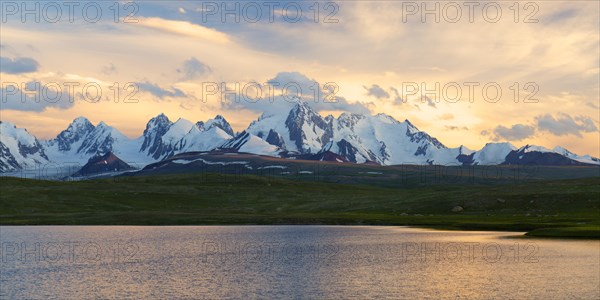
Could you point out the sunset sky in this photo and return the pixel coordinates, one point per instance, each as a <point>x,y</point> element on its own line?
<point>171,50</point>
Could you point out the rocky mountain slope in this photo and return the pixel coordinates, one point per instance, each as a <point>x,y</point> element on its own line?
<point>298,133</point>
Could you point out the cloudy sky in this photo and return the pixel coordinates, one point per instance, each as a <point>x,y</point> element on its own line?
<point>358,56</point>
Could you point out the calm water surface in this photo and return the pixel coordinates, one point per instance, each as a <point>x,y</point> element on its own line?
<point>298,262</point>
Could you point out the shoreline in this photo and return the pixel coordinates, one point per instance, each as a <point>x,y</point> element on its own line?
<point>518,233</point>
<point>567,208</point>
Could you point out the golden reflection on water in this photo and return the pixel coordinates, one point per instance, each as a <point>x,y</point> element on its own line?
<point>332,262</point>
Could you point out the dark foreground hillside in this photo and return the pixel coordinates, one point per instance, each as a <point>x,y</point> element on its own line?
<point>561,208</point>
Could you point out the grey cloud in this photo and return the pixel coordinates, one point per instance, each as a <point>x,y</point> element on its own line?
<point>592,105</point>
<point>109,69</point>
<point>377,92</point>
<point>13,98</point>
<point>285,78</point>
<point>397,99</point>
<point>324,102</point>
<point>32,48</point>
<point>160,92</point>
<point>564,124</point>
<point>18,65</point>
<point>561,15</point>
<point>193,68</point>
<point>515,133</point>
<point>429,101</point>
<point>454,128</point>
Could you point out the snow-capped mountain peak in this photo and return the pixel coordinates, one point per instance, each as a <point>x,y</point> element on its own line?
<point>464,150</point>
<point>587,159</point>
<point>202,140</point>
<point>19,149</point>
<point>493,153</point>
<point>100,140</point>
<point>80,122</point>
<point>220,122</point>
<point>198,126</point>
<point>301,129</point>
<point>250,143</point>
<point>297,132</point>
<point>75,132</point>
<point>163,138</point>
<point>156,128</point>
<point>385,140</point>
<point>563,151</point>
<point>177,130</point>
<point>532,148</point>
<point>386,118</point>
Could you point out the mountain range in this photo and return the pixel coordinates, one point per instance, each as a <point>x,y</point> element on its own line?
<point>298,133</point>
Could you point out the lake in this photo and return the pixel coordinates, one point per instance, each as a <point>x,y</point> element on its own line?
<point>283,262</point>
